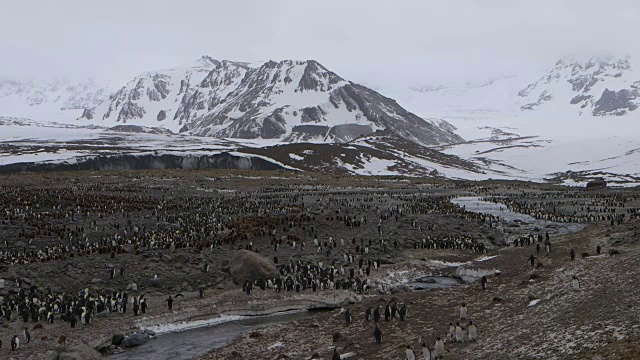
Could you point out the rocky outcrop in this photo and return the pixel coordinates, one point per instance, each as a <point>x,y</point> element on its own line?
<point>134,340</point>
<point>616,102</point>
<point>142,162</point>
<point>248,265</point>
<point>117,339</point>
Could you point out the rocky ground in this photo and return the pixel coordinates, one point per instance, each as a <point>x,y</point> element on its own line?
<point>599,321</point>
<point>524,313</point>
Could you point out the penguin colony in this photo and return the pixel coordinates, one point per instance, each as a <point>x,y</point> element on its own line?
<point>101,221</point>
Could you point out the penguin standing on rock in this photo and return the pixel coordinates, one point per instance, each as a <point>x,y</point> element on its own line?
<point>575,283</point>
<point>15,343</point>
<point>377,334</point>
<point>463,311</point>
<point>410,354</point>
<point>336,354</point>
<point>473,331</point>
<point>27,336</point>
<point>348,317</point>
<point>426,352</point>
<point>459,334</point>
<point>452,331</point>
<point>376,314</point>
<point>403,312</point>
<point>439,349</point>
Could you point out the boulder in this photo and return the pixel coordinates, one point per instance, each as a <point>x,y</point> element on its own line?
<point>132,287</point>
<point>247,265</point>
<point>166,258</point>
<point>156,282</point>
<point>117,339</point>
<point>80,352</point>
<point>134,340</point>
<point>384,261</point>
<point>400,288</point>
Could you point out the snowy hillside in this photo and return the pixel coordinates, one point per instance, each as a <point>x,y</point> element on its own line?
<point>58,98</point>
<point>291,101</point>
<point>598,86</point>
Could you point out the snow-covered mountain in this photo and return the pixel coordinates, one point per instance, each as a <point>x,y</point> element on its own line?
<point>48,97</point>
<point>290,101</point>
<point>598,86</point>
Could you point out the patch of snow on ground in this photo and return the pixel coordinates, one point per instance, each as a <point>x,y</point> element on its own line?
<point>485,258</point>
<point>189,325</point>
<point>276,345</point>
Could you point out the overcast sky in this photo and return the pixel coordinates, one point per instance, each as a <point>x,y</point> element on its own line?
<point>363,40</point>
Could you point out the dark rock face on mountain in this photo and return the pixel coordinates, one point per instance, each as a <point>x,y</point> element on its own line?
<point>274,100</point>
<point>616,102</point>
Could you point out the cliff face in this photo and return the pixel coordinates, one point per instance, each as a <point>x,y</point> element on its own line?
<point>144,162</point>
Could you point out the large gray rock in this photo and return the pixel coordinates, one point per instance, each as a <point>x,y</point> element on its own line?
<point>134,340</point>
<point>117,339</point>
<point>247,265</point>
<point>80,352</point>
<point>400,288</point>
<point>156,282</point>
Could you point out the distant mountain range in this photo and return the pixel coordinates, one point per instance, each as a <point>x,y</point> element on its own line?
<point>298,114</point>
<point>40,98</point>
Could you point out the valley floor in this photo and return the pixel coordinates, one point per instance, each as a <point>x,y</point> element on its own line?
<point>599,321</point>
<point>524,313</point>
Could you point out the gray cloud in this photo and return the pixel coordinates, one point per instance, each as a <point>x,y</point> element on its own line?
<point>390,41</point>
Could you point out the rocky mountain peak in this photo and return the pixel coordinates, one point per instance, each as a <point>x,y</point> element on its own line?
<point>288,100</point>
<point>602,85</point>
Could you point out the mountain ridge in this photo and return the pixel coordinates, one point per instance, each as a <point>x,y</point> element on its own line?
<point>289,100</point>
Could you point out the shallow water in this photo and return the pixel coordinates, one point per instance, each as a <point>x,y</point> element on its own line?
<point>190,343</point>
<point>476,205</point>
<point>525,223</point>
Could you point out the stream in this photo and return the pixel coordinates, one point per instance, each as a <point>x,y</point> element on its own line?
<point>187,344</point>
<point>515,223</point>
